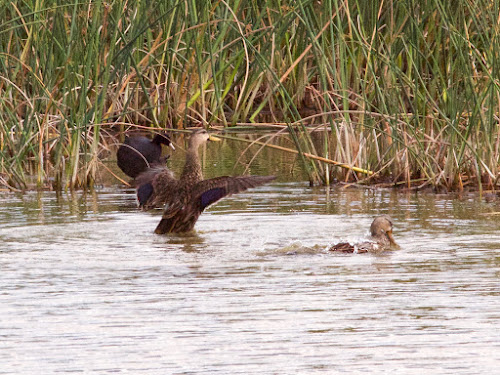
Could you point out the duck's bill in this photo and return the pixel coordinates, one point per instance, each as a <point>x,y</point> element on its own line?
<point>391,239</point>
<point>213,138</point>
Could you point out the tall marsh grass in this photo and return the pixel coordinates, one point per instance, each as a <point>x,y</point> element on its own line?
<point>408,90</point>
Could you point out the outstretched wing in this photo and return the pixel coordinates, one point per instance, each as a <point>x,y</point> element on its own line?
<point>154,187</point>
<point>148,175</point>
<point>181,215</point>
<point>144,193</point>
<point>207,192</point>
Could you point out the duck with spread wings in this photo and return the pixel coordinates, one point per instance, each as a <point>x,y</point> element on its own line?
<point>184,199</point>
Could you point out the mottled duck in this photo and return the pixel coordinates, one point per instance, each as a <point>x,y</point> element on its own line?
<point>380,238</point>
<point>184,199</point>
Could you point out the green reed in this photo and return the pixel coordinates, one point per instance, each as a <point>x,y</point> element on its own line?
<point>407,89</point>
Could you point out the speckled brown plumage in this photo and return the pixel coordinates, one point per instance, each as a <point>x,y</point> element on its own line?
<point>186,198</point>
<point>381,238</point>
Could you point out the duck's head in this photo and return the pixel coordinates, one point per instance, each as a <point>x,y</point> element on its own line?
<point>381,229</point>
<point>199,137</point>
<point>163,139</point>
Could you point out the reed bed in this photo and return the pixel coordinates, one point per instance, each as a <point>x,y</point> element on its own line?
<point>405,91</point>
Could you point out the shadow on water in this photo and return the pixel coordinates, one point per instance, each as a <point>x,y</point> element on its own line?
<point>88,287</point>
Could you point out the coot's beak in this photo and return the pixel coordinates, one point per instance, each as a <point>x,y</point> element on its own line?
<point>171,145</point>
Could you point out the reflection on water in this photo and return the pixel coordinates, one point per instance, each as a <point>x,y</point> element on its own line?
<point>88,288</point>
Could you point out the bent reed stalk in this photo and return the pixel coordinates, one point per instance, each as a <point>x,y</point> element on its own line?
<point>406,89</point>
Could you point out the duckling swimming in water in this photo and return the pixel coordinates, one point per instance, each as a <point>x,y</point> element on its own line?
<point>186,198</point>
<point>381,238</point>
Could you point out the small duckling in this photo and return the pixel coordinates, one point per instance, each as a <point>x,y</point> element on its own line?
<point>381,238</point>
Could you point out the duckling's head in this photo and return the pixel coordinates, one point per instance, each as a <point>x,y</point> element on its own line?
<point>381,229</point>
<point>199,137</point>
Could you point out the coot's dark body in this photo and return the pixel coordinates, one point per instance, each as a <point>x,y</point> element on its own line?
<point>138,153</point>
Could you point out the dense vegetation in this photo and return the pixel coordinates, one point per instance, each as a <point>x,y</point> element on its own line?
<point>407,89</point>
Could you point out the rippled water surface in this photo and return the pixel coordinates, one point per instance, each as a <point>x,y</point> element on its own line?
<point>86,287</point>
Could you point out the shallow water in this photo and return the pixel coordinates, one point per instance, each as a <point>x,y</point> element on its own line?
<point>86,287</point>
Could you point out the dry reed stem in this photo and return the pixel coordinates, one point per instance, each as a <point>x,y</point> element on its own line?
<point>307,155</point>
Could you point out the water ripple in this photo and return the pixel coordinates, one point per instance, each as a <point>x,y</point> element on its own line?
<point>88,288</point>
